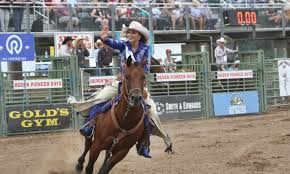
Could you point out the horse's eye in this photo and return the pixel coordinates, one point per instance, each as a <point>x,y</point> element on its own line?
<point>143,78</point>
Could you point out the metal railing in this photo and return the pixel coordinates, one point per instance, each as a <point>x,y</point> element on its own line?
<point>77,82</point>
<point>186,17</point>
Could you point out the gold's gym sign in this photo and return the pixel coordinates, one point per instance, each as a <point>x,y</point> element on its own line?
<point>38,118</point>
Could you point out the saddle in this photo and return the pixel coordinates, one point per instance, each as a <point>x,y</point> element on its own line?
<point>105,106</point>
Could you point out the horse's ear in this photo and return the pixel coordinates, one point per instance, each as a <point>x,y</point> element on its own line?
<point>129,61</point>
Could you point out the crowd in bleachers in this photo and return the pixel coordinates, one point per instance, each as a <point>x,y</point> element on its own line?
<point>167,14</point>
<point>11,14</point>
<point>89,15</point>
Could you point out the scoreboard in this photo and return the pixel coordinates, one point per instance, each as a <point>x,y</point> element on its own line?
<point>240,17</point>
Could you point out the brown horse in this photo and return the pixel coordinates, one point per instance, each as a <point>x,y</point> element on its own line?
<point>156,67</point>
<point>119,128</point>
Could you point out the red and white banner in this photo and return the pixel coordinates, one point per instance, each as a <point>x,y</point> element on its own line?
<point>235,74</point>
<point>100,80</point>
<point>37,84</point>
<point>167,77</point>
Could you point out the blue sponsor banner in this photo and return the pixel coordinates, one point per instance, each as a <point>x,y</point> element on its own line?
<point>232,103</point>
<point>17,47</point>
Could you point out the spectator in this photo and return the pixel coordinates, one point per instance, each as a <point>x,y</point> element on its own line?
<point>105,57</point>
<point>175,12</point>
<point>221,52</point>
<point>210,20</point>
<point>18,14</point>
<point>82,52</point>
<point>273,14</point>
<point>160,21</point>
<point>287,14</point>
<point>101,14</point>
<point>98,45</point>
<point>177,16</point>
<point>123,14</point>
<point>4,14</point>
<point>51,6</point>
<point>67,47</point>
<point>196,15</point>
<point>234,66</point>
<point>169,63</point>
<point>64,18</point>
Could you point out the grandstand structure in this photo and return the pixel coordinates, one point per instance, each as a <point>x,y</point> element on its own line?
<point>250,24</point>
<point>258,28</point>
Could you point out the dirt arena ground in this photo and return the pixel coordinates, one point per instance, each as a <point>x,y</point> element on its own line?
<point>236,145</point>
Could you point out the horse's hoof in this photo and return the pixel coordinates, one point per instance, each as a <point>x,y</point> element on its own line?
<point>79,168</point>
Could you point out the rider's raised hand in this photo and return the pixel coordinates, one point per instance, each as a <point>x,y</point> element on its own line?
<point>105,31</point>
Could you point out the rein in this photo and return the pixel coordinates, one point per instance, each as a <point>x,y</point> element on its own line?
<point>117,125</point>
<point>114,118</point>
<point>122,133</point>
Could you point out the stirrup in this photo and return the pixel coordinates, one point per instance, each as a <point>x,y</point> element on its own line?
<point>87,131</point>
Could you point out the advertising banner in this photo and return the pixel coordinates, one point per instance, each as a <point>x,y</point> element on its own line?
<point>167,77</point>
<point>100,80</point>
<point>37,84</point>
<point>88,41</point>
<point>38,118</point>
<point>17,47</point>
<point>233,103</point>
<point>235,74</point>
<point>180,106</point>
<point>284,77</point>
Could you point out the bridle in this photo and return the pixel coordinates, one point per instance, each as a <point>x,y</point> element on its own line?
<point>128,98</point>
<point>122,132</point>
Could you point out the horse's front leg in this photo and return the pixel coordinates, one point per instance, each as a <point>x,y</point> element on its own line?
<point>115,158</point>
<point>94,154</point>
<point>106,158</point>
<point>81,160</point>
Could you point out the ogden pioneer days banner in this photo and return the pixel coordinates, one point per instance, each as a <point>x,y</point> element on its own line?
<point>100,80</point>
<point>165,77</point>
<point>38,118</point>
<point>37,84</point>
<point>180,106</point>
<point>235,74</point>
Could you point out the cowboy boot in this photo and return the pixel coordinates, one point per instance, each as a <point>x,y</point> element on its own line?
<point>87,130</point>
<point>144,149</point>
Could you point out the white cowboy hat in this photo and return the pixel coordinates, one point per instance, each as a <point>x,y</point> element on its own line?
<point>237,62</point>
<point>195,2</point>
<point>98,42</point>
<point>222,40</point>
<point>79,38</point>
<point>134,25</point>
